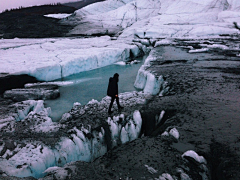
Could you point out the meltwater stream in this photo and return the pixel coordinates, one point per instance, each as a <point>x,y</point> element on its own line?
<point>92,85</point>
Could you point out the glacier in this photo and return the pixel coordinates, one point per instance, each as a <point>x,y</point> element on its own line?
<point>51,59</point>
<point>130,28</point>
<point>134,25</point>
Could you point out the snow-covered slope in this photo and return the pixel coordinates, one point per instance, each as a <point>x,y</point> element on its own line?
<point>156,18</point>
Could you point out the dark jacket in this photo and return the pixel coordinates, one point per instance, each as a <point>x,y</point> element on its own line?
<point>112,87</point>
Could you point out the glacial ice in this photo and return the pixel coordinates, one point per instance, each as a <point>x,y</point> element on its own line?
<point>51,59</point>
<point>171,132</point>
<point>165,176</point>
<point>148,82</point>
<point>195,156</point>
<point>33,157</point>
<point>54,58</point>
<point>159,119</point>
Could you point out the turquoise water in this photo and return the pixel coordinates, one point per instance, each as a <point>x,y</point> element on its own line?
<point>92,85</point>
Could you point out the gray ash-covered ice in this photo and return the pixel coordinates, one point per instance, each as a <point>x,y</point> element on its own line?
<point>32,155</point>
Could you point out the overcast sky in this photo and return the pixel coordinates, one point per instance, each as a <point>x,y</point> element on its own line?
<point>8,4</point>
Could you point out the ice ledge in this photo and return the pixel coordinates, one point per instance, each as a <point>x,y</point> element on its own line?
<point>148,82</point>
<point>51,59</point>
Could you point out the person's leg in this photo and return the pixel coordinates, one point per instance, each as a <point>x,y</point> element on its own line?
<point>111,103</point>
<point>118,104</point>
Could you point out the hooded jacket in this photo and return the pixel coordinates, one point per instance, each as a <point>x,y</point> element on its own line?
<point>112,86</point>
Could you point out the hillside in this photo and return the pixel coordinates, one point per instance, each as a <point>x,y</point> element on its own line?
<point>30,22</point>
<point>81,4</point>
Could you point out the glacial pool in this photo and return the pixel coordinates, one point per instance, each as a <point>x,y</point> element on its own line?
<point>92,85</point>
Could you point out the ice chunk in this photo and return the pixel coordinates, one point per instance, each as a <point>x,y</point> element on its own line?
<point>153,84</point>
<point>133,127</point>
<point>150,84</point>
<point>141,79</point>
<point>124,136</point>
<point>165,176</point>
<point>138,121</point>
<point>58,16</point>
<point>160,117</point>
<point>99,147</point>
<point>151,169</point>
<point>121,63</point>
<point>183,175</point>
<point>115,132</point>
<point>198,50</point>
<point>30,160</point>
<point>58,58</point>
<point>195,156</point>
<point>174,132</point>
<point>163,42</point>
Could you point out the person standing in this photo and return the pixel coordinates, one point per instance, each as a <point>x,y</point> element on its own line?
<point>112,91</point>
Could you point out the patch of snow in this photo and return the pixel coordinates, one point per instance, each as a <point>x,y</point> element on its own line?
<point>121,63</point>
<point>160,117</point>
<point>198,50</point>
<point>173,132</point>
<point>214,46</point>
<point>165,176</point>
<point>195,156</point>
<point>164,42</point>
<point>58,16</point>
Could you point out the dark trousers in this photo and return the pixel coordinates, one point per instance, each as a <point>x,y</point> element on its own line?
<point>111,103</point>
